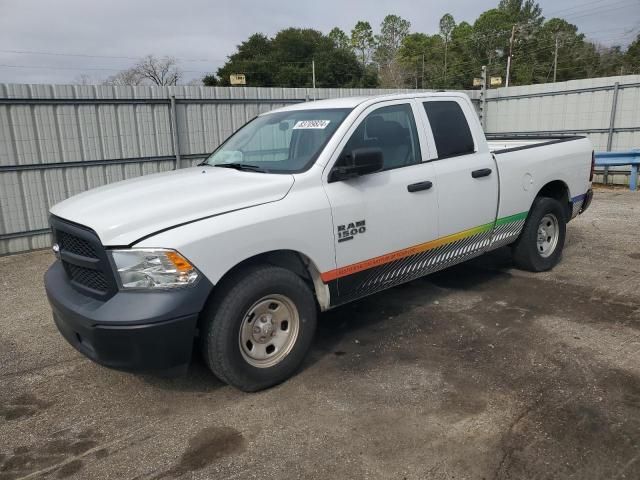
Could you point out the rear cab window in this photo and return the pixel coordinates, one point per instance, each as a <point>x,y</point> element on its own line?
<point>450,128</point>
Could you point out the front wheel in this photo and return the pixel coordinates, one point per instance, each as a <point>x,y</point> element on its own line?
<point>540,244</point>
<point>259,327</point>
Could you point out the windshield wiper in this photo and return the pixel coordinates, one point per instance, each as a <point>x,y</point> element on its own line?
<point>241,166</point>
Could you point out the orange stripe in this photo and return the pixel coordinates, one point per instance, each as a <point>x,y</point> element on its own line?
<point>399,254</point>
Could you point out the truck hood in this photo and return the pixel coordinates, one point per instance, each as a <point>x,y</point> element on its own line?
<point>121,213</point>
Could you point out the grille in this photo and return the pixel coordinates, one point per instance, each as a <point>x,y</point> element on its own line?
<point>76,245</point>
<point>84,259</point>
<point>94,279</point>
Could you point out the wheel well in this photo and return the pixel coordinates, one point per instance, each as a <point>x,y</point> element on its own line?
<point>559,191</point>
<point>294,261</point>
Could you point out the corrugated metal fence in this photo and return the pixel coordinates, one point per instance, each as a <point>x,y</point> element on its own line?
<point>57,141</point>
<point>607,110</point>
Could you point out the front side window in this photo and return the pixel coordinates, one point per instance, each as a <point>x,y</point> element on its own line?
<point>393,130</point>
<point>450,128</point>
<point>281,142</point>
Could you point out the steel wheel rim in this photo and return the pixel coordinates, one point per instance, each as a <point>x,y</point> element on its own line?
<point>269,331</point>
<point>548,234</point>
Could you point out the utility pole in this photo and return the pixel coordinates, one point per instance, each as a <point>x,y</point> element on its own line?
<point>483,98</point>
<point>422,82</point>
<point>555,61</point>
<point>513,34</point>
<point>313,75</point>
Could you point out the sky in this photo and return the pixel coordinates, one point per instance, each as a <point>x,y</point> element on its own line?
<point>55,41</point>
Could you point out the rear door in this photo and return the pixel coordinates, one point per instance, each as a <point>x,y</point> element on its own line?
<point>466,175</point>
<point>381,219</point>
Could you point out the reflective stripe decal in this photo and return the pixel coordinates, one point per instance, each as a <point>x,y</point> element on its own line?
<point>514,221</point>
<point>576,204</point>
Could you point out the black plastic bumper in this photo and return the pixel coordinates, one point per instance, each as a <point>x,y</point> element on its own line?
<point>135,331</point>
<point>587,201</point>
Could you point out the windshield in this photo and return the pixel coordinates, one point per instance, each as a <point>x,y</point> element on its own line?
<point>282,142</point>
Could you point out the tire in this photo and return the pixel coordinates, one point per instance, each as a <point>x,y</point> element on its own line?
<point>532,252</point>
<point>244,321</point>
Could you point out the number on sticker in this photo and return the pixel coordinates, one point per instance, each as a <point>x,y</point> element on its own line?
<point>311,124</point>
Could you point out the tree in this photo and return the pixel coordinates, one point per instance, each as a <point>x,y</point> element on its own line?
<point>632,57</point>
<point>150,70</point>
<point>447,24</point>
<point>522,12</point>
<point>419,56</point>
<point>210,80</point>
<point>363,41</point>
<point>159,71</point>
<point>253,58</point>
<point>285,60</point>
<point>393,30</point>
<point>130,76</point>
<point>538,56</point>
<point>340,39</point>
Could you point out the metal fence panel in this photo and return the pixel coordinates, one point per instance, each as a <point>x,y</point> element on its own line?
<point>52,148</point>
<point>608,114</point>
<point>577,106</point>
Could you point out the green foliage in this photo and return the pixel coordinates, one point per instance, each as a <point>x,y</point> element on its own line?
<point>285,60</point>
<point>447,24</point>
<point>415,48</point>
<point>210,80</point>
<point>451,58</point>
<point>631,61</point>
<point>340,39</point>
<point>393,31</point>
<point>363,41</point>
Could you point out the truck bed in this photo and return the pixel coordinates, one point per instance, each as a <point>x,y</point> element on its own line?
<point>502,143</point>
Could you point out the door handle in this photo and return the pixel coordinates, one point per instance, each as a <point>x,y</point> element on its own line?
<point>483,172</point>
<point>417,187</point>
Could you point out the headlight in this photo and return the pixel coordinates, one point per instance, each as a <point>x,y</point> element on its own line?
<point>153,268</point>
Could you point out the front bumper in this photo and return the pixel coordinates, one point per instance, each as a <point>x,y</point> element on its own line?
<point>135,331</point>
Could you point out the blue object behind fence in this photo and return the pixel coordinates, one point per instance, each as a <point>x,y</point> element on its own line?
<point>616,159</point>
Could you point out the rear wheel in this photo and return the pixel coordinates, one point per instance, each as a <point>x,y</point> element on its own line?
<point>259,327</point>
<point>540,244</point>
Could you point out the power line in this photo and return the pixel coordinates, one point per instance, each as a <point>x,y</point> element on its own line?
<point>118,57</point>
<point>581,8</point>
<point>599,10</point>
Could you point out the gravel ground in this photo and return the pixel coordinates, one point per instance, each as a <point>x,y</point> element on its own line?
<point>477,372</point>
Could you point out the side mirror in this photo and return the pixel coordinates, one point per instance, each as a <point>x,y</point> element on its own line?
<point>360,162</point>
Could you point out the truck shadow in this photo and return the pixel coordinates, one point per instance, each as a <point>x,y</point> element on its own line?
<point>197,379</point>
<point>356,320</point>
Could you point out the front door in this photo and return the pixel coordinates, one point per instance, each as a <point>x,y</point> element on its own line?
<point>382,220</point>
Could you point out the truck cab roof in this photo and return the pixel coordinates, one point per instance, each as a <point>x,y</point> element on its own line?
<point>353,102</point>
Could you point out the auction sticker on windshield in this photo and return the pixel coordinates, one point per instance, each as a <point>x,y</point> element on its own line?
<point>311,124</point>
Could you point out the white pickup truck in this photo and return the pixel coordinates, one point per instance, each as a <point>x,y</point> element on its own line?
<point>303,209</point>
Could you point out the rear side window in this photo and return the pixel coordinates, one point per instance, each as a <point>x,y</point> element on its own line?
<point>450,128</point>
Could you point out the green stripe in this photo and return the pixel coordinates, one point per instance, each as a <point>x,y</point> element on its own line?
<point>498,222</point>
<point>511,218</point>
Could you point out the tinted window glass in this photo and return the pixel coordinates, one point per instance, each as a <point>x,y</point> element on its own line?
<point>393,130</point>
<point>450,128</point>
